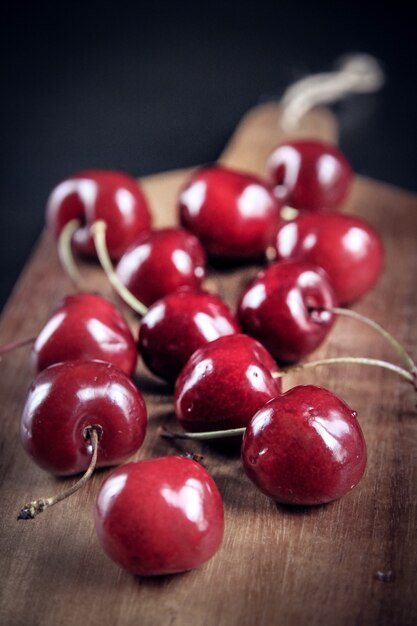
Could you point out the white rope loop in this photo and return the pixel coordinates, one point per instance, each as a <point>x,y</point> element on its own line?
<point>358,73</point>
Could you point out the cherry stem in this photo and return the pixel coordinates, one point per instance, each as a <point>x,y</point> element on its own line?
<point>32,509</point>
<point>98,230</point>
<point>13,345</point>
<point>193,456</point>
<point>212,434</point>
<point>289,213</point>
<point>408,376</point>
<point>400,350</point>
<point>65,252</point>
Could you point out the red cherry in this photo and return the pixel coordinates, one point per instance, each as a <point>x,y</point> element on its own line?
<point>160,262</point>
<point>276,309</point>
<point>159,516</point>
<point>177,325</point>
<point>86,326</point>
<point>66,400</point>
<point>304,447</point>
<point>224,383</point>
<point>235,215</point>
<point>93,195</point>
<point>309,175</point>
<point>348,248</point>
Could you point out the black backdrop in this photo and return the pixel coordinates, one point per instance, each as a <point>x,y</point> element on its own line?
<point>149,86</point>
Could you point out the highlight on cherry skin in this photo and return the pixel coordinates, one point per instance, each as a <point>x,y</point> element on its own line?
<point>309,175</point>
<point>66,400</point>
<point>177,325</point>
<point>159,516</point>
<point>92,195</point>
<point>345,246</point>
<point>85,327</point>
<point>304,447</point>
<point>235,215</point>
<point>160,262</point>
<point>280,308</point>
<point>224,383</point>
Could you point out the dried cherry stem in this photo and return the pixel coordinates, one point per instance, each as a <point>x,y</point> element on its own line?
<point>193,456</point>
<point>399,349</point>
<point>13,345</point>
<point>408,376</point>
<point>212,434</point>
<point>32,509</point>
<point>98,230</point>
<point>65,252</point>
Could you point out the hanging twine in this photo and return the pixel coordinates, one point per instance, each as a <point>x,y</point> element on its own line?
<point>358,73</point>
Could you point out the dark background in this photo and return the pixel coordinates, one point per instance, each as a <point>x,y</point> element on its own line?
<point>149,86</point>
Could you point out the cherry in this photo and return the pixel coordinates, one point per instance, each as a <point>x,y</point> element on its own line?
<point>69,399</point>
<point>91,195</point>
<point>276,309</point>
<point>304,447</point>
<point>224,383</point>
<point>159,516</point>
<point>85,326</point>
<point>160,262</point>
<point>348,248</point>
<point>235,215</point>
<point>177,325</point>
<point>309,175</point>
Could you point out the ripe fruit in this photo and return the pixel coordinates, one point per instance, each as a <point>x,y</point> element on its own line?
<point>160,262</point>
<point>91,195</point>
<point>348,248</point>
<point>309,175</point>
<point>177,325</point>
<point>304,447</point>
<point>235,215</point>
<point>224,383</point>
<point>159,516</point>
<point>85,326</point>
<point>66,400</point>
<point>276,309</point>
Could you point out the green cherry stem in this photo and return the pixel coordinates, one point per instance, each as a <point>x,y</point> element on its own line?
<point>98,230</point>
<point>212,434</point>
<point>65,252</point>
<point>408,376</point>
<point>400,350</point>
<point>32,509</point>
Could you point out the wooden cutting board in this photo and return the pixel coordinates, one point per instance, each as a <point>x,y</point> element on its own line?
<point>347,563</point>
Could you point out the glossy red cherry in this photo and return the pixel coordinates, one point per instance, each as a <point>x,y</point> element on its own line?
<point>66,400</point>
<point>159,516</point>
<point>235,215</point>
<point>161,262</point>
<point>309,175</point>
<point>224,383</point>
<point>85,326</point>
<point>347,247</point>
<point>304,447</point>
<point>93,195</point>
<point>177,325</point>
<point>276,309</point>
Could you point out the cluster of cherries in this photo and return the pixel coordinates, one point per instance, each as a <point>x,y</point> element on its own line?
<point>304,446</point>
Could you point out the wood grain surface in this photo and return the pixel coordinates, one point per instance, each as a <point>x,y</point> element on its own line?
<point>351,562</point>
